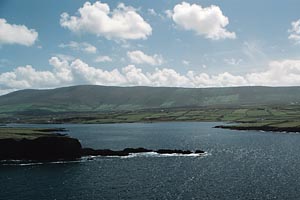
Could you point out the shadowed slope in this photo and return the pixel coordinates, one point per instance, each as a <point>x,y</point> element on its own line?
<point>106,98</point>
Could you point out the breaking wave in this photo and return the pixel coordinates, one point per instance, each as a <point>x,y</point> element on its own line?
<point>92,158</point>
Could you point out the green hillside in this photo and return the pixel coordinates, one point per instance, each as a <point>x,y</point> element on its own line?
<point>106,98</point>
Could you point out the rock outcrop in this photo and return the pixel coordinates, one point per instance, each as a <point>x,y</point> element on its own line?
<point>261,128</point>
<point>46,148</point>
<point>22,144</point>
<point>128,151</point>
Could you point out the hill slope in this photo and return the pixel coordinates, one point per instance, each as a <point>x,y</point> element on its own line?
<point>106,98</point>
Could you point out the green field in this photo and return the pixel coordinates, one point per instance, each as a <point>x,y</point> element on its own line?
<point>23,133</point>
<point>277,116</point>
<point>248,106</point>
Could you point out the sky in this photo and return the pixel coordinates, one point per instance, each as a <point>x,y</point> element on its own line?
<point>203,43</point>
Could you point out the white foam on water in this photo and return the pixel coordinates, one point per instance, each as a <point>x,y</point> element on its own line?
<point>92,158</point>
<point>30,163</point>
<point>149,154</point>
<point>154,154</point>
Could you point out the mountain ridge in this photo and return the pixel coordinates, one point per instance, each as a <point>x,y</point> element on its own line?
<point>107,98</point>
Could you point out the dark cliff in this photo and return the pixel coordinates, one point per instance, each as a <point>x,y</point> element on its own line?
<point>43,148</point>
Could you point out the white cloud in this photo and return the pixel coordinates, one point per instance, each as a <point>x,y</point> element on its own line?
<point>103,59</point>
<point>295,31</point>
<point>64,73</point>
<point>219,80</point>
<point>168,77</point>
<point>85,74</point>
<point>16,34</point>
<point>61,70</point>
<point>27,77</point>
<point>135,76</point>
<point>139,57</point>
<point>121,23</point>
<point>233,61</point>
<point>84,46</point>
<point>279,73</point>
<point>64,57</point>
<point>209,22</point>
<point>152,12</point>
<point>169,13</point>
<point>185,62</point>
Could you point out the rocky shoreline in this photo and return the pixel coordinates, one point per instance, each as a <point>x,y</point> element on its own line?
<point>46,148</point>
<point>60,147</point>
<point>261,128</point>
<point>128,151</point>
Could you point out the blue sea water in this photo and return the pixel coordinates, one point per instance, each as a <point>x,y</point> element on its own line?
<point>238,165</point>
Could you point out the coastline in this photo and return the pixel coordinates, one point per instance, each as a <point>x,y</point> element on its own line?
<point>260,128</point>
<point>48,145</point>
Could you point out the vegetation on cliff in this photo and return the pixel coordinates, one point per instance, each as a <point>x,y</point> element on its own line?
<point>37,144</point>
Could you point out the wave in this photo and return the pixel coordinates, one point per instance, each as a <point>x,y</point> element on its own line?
<point>150,154</point>
<point>30,162</point>
<point>154,154</point>
<point>92,158</point>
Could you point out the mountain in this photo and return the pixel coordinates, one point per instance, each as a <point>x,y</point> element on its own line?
<point>108,98</point>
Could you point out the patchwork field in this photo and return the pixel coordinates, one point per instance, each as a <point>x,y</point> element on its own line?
<point>26,133</point>
<point>274,116</point>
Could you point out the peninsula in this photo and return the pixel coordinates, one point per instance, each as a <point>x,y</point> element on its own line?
<point>33,144</point>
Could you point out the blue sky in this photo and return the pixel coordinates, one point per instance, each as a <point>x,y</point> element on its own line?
<point>208,43</point>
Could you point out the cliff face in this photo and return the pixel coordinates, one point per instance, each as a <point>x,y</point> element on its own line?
<point>42,148</point>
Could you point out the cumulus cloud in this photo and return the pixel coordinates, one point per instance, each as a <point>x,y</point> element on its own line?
<point>84,47</point>
<point>64,73</point>
<point>139,57</point>
<point>16,34</point>
<point>121,23</point>
<point>295,31</point>
<point>209,22</point>
<point>27,77</point>
<point>85,74</point>
<point>103,59</point>
<point>286,72</point>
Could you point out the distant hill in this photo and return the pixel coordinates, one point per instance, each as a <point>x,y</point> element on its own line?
<point>108,98</point>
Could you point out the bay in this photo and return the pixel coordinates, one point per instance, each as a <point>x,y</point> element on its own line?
<point>238,165</point>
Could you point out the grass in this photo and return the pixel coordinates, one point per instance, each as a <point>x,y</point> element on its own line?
<point>276,116</point>
<point>23,133</point>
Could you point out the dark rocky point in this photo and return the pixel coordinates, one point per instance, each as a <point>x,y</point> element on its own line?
<point>199,151</point>
<point>42,149</point>
<point>128,151</point>
<point>170,151</point>
<point>53,146</point>
<point>261,128</point>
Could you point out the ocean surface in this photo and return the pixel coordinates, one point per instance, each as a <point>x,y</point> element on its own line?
<point>238,165</point>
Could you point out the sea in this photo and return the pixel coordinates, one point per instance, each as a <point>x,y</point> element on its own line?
<point>236,165</point>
